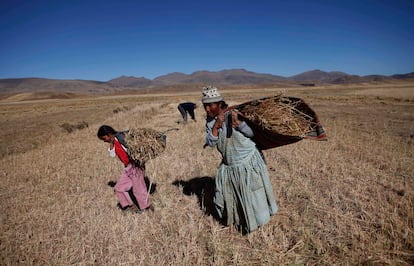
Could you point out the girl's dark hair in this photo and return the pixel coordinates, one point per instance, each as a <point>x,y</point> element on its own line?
<point>105,130</point>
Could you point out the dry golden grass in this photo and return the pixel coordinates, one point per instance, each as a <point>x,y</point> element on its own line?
<point>345,201</point>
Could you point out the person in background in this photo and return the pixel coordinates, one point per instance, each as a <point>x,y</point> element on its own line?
<point>243,192</point>
<point>131,177</point>
<point>187,107</point>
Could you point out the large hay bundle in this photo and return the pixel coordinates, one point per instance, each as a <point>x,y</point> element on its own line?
<point>144,144</point>
<point>278,114</point>
<point>280,120</point>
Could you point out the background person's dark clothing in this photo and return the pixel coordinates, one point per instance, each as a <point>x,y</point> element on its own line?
<point>187,107</point>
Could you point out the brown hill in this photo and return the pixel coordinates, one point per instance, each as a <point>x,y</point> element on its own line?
<point>124,81</point>
<point>336,77</point>
<point>224,77</point>
<point>403,76</point>
<point>53,85</point>
<point>179,81</point>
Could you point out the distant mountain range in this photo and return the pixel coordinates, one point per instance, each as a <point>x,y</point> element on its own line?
<point>232,77</point>
<point>243,77</point>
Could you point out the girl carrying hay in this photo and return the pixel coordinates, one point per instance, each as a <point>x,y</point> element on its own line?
<point>244,195</point>
<point>131,177</point>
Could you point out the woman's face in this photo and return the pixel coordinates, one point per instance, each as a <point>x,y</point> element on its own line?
<point>212,109</point>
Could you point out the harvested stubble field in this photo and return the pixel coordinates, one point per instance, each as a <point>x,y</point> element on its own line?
<point>345,201</point>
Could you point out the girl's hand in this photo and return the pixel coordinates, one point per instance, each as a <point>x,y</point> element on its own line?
<point>111,143</point>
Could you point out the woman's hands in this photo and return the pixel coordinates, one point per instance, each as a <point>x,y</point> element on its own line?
<point>235,117</point>
<point>220,118</point>
<point>218,124</point>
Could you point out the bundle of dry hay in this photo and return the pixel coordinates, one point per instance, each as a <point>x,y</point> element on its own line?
<point>279,114</point>
<point>144,144</point>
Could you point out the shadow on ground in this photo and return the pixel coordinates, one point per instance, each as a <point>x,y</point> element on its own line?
<point>204,189</point>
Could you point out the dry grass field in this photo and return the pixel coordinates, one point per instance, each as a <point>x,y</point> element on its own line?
<point>346,201</point>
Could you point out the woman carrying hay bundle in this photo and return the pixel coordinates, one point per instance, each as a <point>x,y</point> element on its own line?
<point>131,177</point>
<point>244,195</point>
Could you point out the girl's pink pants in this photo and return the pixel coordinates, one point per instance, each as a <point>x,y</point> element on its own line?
<point>132,177</point>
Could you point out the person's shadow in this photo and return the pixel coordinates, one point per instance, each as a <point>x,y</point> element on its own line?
<point>204,189</point>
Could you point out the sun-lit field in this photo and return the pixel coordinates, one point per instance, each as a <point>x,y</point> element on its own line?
<point>349,200</point>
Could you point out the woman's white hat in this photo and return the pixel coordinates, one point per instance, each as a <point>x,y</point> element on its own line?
<point>211,95</point>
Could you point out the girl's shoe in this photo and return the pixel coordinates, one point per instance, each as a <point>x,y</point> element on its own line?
<point>123,208</point>
<point>131,208</point>
<point>150,208</point>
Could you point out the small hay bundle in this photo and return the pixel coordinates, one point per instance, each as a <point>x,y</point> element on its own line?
<point>279,120</point>
<point>144,144</point>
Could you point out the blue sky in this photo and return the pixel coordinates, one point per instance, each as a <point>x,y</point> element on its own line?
<point>101,40</point>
